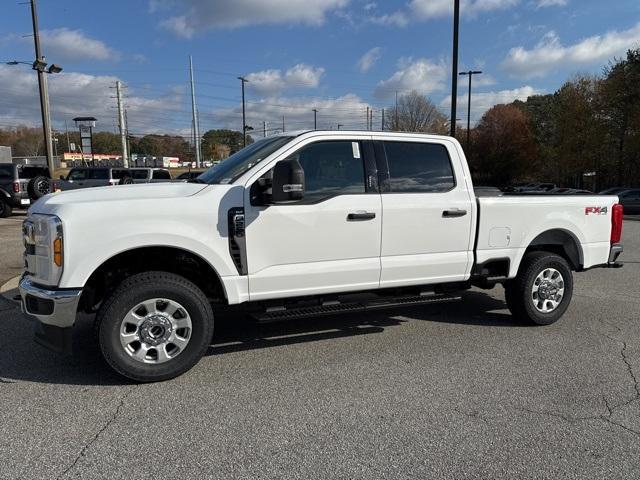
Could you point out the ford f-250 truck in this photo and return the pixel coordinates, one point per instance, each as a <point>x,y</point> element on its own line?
<point>291,226</point>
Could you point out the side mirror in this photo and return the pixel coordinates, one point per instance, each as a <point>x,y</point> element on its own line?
<point>61,177</point>
<point>288,182</point>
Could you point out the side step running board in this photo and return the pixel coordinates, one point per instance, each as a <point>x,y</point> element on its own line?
<point>330,308</point>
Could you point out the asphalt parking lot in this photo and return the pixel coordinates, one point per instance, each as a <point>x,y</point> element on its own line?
<point>446,391</point>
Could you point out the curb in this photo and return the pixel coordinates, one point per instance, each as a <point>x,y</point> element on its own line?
<point>10,289</point>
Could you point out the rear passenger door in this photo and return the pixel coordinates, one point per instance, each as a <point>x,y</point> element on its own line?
<point>426,212</point>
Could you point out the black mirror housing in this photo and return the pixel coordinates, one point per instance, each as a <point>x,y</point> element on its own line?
<point>288,182</point>
<point>61,177</point>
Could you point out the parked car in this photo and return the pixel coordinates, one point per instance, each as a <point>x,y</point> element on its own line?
<point>190,175</point>
<point>20,185</point>
<point>292,226</point>
<point>148,175</point>
<point>613,190</point>
<point>85,177</point>
<point>630,200</point>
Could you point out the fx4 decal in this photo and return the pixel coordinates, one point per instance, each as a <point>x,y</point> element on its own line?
<point>595,210</point>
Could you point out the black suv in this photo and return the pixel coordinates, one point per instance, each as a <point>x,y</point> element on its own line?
<point>20,185</point>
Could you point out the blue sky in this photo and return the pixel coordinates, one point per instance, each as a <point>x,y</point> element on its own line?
<point>338,56</point>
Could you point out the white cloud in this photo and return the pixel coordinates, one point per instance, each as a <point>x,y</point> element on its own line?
<point>272,82</point>
<point>396,19</point>
<point>550,54</point>
<point>348,110</point>
<point>199,15</point>
<point>66,45</point>
<point>422,75</point>
<point>369,59</point>
<point>76,94</point>
<point>483,101</point>
<point>552,3</point>
<point>425,9</point>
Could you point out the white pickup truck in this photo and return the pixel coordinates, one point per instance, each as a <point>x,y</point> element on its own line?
<point>295,225</point>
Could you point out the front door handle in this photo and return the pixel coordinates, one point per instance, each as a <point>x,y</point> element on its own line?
<point>358,216</point>
<point>454,212</point>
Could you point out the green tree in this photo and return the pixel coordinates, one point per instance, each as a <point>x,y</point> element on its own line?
<point>230,138</point>
<point>504,149</point>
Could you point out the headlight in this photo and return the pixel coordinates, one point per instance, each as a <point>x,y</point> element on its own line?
<point>44,248</point>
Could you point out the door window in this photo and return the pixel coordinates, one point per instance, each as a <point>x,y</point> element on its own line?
<point>416,167</point>
<point>161,175</point>
<point>331,168</point>
<point>99,174</point>
<point>80,174</point>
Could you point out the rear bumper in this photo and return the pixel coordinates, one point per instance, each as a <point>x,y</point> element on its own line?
<point>54,310</point>
<point>614,253</point>
<point>20,200</point>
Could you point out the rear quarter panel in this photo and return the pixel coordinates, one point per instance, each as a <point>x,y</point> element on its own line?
<point>508,224</point>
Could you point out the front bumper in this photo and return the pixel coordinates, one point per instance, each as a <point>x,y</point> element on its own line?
<point>55,311</point>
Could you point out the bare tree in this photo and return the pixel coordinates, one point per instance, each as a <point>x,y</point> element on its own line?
<point>416,113</point>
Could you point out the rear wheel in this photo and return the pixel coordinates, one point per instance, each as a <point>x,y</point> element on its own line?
<point>5,208</point>
<point>154,327</point>
<point>542,290</point>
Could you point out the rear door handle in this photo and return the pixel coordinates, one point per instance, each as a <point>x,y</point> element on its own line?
<point>454,212</point>
<point>357,216</point>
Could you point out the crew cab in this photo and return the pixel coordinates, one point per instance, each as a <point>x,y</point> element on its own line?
<point>295,225</point>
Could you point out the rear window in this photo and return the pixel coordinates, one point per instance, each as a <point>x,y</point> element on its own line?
<point>32,172</point>
<point>416,167</point>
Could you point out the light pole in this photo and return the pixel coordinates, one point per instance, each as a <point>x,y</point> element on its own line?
<point>454,65</point>
<point>315,118</point>
<point>244,121</point>
<point>470,74</point>
<point>40,66</point>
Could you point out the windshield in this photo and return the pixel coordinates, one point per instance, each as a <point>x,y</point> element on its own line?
<point>231,168</point>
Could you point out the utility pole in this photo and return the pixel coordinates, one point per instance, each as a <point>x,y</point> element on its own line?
<point>339,125</point>
<point>454,66</point>
<point>66,129</point>
<point>282,123</point>
<point>244,120</point>
<point>315,119</point>
<point>470,73</point>
<point>122,125</point>
<point>397,122</point>
<point>194,113</point>
<point>264,129</point>
<point>39,65</point>
<point>382,122</point>
<point>367,118</point>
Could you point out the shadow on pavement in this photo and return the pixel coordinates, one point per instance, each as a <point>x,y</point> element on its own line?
<point>21,359</point>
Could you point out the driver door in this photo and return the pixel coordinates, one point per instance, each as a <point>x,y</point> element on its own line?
<point>327,242</point>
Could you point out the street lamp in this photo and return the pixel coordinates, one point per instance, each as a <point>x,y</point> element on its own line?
<point>40,66</point>
<point>470,73</point>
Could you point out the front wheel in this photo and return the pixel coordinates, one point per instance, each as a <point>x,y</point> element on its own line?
<point>154,327</point>
<point>542,290</point>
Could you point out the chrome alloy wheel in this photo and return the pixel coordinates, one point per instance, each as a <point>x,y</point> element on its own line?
<point>547,290</point>
<point>155,330</point>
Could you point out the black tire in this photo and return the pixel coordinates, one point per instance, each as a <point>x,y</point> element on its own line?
<point>125,181</point>
<point>5,209</point>
<point>137,289</point>
<point>38,187</point>
<point>519,291</point>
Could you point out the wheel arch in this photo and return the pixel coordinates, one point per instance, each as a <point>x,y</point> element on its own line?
<point>111,272</point>
<point>561,242</point>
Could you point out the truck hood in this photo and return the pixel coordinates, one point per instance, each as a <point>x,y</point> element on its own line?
<point>119,193</point>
